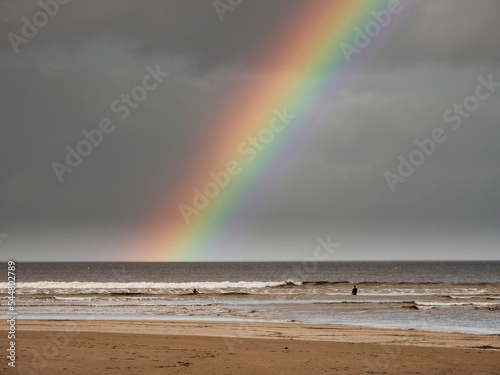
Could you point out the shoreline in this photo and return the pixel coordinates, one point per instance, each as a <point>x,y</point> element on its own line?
<point>208,347</point>
<point>222,319</point>
<point>261,329</point>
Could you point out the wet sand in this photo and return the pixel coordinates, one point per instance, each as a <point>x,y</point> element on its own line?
<point>188,347</point>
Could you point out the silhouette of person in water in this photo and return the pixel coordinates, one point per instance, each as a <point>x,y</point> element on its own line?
<point>195,291</point>
<point>354,290</point>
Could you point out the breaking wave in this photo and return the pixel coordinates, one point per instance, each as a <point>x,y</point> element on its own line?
<point>445,290</point>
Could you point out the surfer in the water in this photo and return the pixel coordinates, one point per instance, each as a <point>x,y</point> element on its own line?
<point>195,291</point>
<point>354,290</point>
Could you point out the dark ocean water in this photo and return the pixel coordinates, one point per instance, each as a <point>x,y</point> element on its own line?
<point>439,296</point>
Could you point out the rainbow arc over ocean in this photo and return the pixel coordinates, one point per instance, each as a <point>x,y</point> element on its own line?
<point>308,61</point>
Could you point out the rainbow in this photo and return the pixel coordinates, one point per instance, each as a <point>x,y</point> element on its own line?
<point>306,60</point>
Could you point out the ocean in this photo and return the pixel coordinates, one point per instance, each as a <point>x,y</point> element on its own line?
<point>434,296</point>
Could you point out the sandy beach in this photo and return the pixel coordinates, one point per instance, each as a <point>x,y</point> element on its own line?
<point>188,347</point>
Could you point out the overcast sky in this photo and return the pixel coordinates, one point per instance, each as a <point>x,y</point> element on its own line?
<point>63,79</point>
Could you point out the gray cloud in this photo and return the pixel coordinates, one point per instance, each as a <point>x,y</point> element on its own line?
<point>64,80</point>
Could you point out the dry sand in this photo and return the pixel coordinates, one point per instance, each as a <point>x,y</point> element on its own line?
<point>182,347</point>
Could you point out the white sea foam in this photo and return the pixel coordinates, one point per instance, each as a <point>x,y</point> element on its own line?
<point>450,304</point>
<point>125,287</point>
<point>74,298</point>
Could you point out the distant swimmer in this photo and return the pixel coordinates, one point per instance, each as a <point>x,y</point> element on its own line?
<point>354,290</point>
<point>195,291</point>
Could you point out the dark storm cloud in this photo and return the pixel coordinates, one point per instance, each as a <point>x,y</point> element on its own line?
<point>191,29</point>
<point>448,31</point>
<point>445,31</point>
<point>65,78</point>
